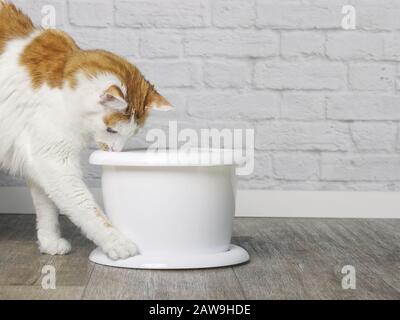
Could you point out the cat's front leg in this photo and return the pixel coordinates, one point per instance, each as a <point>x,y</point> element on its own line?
<point>47,225</point>
<point>66,189</point>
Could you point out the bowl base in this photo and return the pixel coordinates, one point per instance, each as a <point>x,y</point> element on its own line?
<point>235,255</point>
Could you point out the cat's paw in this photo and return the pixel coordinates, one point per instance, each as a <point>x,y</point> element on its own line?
<point>118,247</point>
<point>58,246</point>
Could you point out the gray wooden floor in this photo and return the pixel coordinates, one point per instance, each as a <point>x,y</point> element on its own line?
<point>290,259</point>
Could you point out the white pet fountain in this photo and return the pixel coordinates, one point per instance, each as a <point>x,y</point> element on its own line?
<point>178,207</point>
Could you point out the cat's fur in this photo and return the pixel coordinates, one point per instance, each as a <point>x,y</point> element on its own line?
<point>53,97</point>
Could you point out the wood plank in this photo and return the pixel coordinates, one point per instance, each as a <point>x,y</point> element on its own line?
<point>290,259</point>
<point>268,275</point>
<point>380,245</point>
<point>75,268</point>
<point>21,262</point>
<point>37,293</point>
<point>303,259</point>
<point>112,283</point>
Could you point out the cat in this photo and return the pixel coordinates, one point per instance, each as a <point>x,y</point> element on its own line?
<point>54,98</point>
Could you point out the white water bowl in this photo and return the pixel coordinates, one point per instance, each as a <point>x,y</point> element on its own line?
<point>178,207</point>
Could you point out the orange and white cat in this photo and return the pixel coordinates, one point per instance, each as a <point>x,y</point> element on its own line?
<point>53,98</point>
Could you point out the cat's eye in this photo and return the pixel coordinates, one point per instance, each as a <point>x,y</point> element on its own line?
<point>110,130</point>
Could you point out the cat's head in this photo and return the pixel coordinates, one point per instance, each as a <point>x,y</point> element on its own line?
<point>108,98</point>
<point>114,96</point>
<point>120,119</point>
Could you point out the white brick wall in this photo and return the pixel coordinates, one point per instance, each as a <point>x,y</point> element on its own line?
<point>325,102</point>
<point>91,13</point>
<point>298,75</point>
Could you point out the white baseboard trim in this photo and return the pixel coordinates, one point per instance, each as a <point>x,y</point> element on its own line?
<point>318,204</point>
<point>265,203</point>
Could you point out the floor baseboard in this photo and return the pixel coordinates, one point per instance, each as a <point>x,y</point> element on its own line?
<point>265,203</point>
<point>318,204</point>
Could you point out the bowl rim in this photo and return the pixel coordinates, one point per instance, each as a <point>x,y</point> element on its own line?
<point>170,157</point>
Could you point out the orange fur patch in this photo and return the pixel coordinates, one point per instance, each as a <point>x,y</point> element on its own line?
<point>112,119</point>
<point>13,24</point>
<point>46,57</point>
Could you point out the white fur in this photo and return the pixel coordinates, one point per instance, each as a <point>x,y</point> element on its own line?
<point>42,133</point>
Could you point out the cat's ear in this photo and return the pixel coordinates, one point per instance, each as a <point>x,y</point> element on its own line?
<point>113,98</point>
<point>155,101</point>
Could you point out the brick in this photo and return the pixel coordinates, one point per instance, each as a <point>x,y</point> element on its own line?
<point>296,167</point>
<point>360,168</point>
<point>122,42</point>
<point>372,77</point>
<point>378,15</point>
<point>355,45</point>
<point>230,74</point>
<point>91,13</point>
<point>232,43</point>
<point>288,14</point>
<point>233,106</point>
<point>171,74</point>
<point>160,45</point>
<point>390,186</point>
<point>255,184</point>
<point>345,186</point>
<point>302,43</point>
<point>262,167</point>
<point>161,14</point>
<point>298,106</point>
<point>320,136</point>
<point>363,107</point>
<point>398,138</point>
<point>392,46</point>
<point>374,136</point>
<point>300,75</point>
<point>233,13</point>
